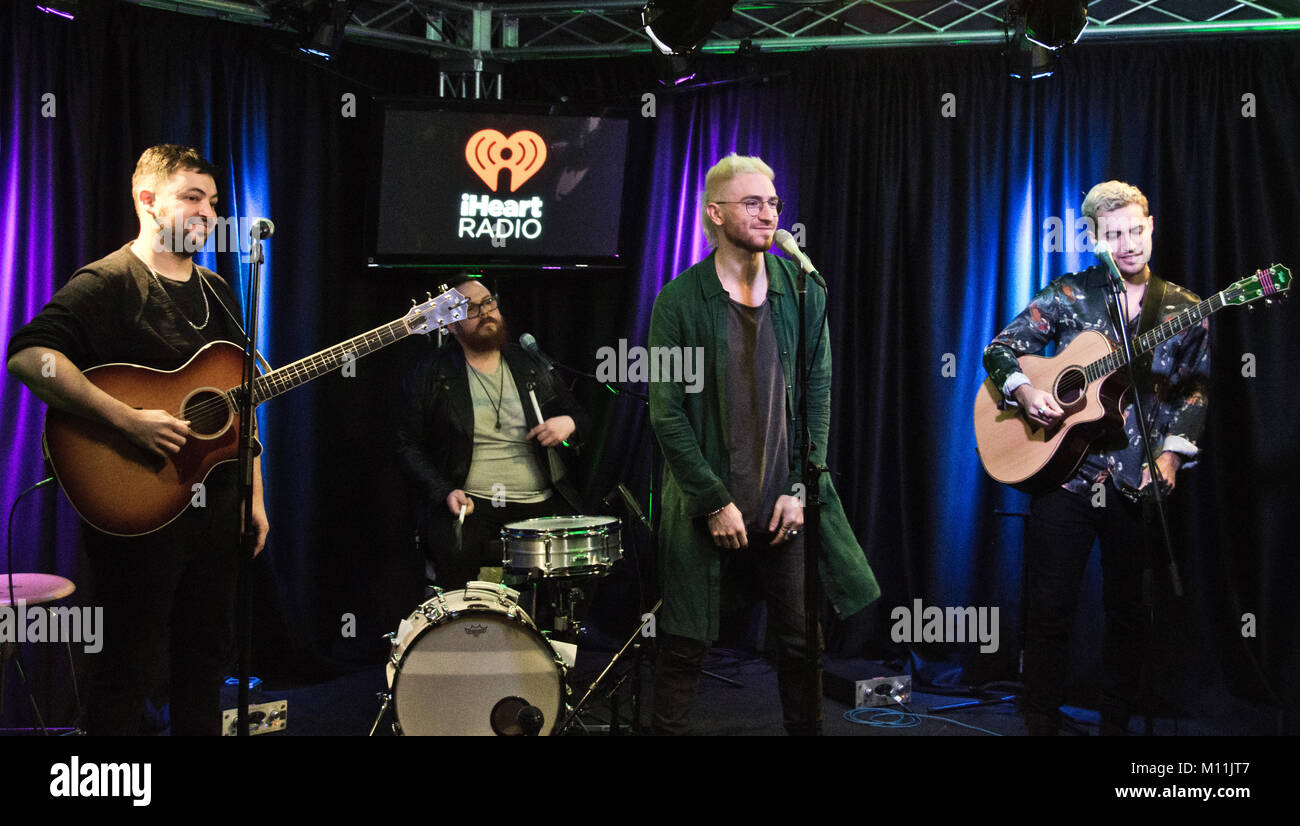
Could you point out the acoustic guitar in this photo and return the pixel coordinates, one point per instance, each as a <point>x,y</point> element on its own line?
<point>122,489</point>
<point>1086,381</point>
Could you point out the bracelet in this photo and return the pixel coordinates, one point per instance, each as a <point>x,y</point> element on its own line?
<point>715,513</point>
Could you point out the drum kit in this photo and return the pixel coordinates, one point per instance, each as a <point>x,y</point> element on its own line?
<point>473,661</point>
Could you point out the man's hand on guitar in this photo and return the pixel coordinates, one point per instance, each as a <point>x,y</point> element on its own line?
<point>156,431</point>
<point>1039,405</point>
<point>1169,463</point>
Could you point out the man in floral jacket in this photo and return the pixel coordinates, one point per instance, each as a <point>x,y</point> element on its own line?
<point>1066,521</point>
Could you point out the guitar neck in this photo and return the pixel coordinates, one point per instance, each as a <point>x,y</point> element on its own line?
<point>1157,335</point>
<point>304,370</point>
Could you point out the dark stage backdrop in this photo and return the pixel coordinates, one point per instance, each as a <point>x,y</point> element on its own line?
<point>925,184</point>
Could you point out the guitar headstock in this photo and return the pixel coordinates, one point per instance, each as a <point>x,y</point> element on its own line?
<point>1269,284</point>
<point>436,313</point>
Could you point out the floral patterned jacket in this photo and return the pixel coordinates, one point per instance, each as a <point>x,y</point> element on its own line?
<point>1174,377</point>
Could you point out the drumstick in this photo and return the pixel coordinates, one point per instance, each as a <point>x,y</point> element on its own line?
<point>460,523</point>
<point>537,408</point>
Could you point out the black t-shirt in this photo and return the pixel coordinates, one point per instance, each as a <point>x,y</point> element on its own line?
<point>116,311</point>
<point>759,443</point>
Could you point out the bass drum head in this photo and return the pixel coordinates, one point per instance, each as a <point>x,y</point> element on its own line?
<point>461,673</point>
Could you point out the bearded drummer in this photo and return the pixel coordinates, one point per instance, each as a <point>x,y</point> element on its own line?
<point>477,449</point>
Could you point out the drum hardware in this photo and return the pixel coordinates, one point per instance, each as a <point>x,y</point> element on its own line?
<point>576,709</point>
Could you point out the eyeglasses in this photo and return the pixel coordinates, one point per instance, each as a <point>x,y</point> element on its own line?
<point>487,305</point>
<point>755,205</point>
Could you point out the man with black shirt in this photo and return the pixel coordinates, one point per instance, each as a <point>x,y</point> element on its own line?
<point>471,440</point>
<point>168,595</point>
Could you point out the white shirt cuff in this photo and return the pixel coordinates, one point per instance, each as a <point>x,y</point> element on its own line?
<point>1009,388</point>
<point>1184,448</point>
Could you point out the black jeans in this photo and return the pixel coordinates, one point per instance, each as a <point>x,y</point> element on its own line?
<point>775,574</point>
<point>480,544</point>
<point>1058,538</point>
<point>168,600</point>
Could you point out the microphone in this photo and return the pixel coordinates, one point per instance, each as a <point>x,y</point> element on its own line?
<point>629,502</point>
<point>261,228</point>
<point>1102,249</point>
<point>786,242</point>
<point>529,344</point>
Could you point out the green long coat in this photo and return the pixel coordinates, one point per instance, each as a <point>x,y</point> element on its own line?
<point>691,311</point>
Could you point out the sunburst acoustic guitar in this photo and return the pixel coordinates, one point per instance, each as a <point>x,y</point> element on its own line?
<point>121,489</point>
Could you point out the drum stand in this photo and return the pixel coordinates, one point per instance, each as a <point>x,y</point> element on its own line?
<point>613,694</point>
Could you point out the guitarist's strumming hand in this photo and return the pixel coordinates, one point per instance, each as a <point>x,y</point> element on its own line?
<point>155,431</point>
<point>1168,463</point>
<point>1039,405</point>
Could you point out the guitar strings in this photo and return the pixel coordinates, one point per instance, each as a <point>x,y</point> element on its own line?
<point>307,368</point>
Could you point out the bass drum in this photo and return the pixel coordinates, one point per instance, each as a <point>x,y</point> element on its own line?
<point>470,662</point>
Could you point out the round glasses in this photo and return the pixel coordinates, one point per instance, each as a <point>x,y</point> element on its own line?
<point>755,205</point>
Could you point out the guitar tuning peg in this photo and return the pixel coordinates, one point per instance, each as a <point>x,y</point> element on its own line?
<point>426,292</point>
<point>412,302</point>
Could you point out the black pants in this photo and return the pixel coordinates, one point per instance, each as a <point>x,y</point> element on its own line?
<point>1058,538</point>
<point>776,574</point>
<point>168,600</point>
<point>480,544</point>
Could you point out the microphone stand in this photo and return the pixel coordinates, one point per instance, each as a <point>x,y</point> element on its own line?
<point>1117,292</point>
<point>812,503</point>
<point>247,408</point>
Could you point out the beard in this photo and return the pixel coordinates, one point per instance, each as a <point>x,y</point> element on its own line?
<point>176,239</point>
<point>745,242</point>
<point>486,337</point>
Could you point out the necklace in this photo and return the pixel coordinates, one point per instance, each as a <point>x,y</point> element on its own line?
<point>207,308</point>
<point>501,390</point>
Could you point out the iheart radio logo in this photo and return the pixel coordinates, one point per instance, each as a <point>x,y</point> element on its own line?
<point>488,152</point>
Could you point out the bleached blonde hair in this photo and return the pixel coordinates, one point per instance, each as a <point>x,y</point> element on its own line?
<point>719,176</point>
<point>1109,195</point>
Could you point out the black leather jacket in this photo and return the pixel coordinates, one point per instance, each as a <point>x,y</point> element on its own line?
<point>435,441</point>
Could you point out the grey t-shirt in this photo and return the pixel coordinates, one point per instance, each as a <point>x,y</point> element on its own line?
<point>505,461</point>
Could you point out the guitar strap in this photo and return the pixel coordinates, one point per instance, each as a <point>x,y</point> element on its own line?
<point>1151,304</point>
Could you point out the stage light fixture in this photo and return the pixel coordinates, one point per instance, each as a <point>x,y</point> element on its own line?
<point>1037,30</point>
<point>319,24</point>
<point>680,27</point>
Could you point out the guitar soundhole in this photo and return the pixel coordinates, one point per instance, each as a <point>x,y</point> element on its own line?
<point>1070,386</point>
<point>207,412</point>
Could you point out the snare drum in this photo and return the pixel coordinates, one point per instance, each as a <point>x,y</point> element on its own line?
<point>468,661</point>
<point>561,546</point>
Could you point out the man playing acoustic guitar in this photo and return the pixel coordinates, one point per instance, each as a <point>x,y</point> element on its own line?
<point>1065,521</point>
<point>149,304</point>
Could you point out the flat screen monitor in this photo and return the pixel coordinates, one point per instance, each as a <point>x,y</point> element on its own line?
<point>481,189</point>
